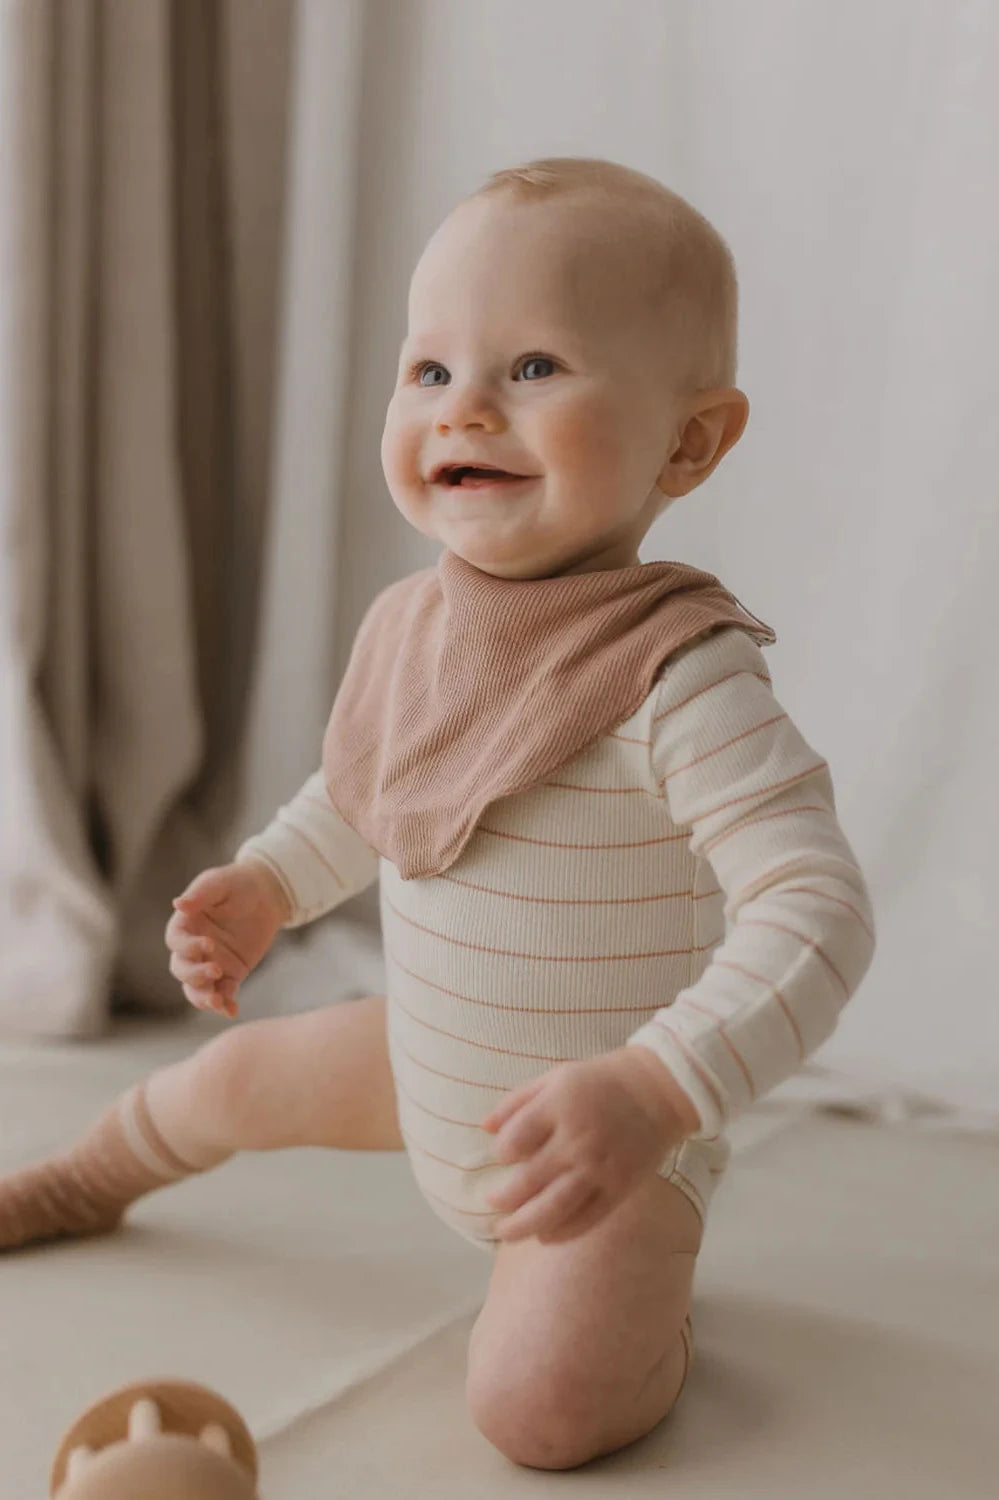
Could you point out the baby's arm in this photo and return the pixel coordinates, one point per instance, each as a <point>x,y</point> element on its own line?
<point>317,858</point>
<point>760,806</point>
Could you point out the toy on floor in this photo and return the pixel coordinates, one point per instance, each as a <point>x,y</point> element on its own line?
<point>157,1440</point>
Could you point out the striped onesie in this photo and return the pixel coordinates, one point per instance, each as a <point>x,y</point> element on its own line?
<point>682,884</point>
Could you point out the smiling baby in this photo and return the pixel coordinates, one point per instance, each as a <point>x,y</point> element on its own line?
<point>617,905</point>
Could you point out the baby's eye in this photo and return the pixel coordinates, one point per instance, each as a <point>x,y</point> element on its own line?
<point>537,359</point>
<point>422,369</point>
<point>427,365</point>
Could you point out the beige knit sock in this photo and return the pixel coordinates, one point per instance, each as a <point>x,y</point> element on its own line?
<point>87,1190</point>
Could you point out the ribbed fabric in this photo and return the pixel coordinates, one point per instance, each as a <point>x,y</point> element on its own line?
<point>681,884</point>
<point>87,1190</point>
<point>463,688</point>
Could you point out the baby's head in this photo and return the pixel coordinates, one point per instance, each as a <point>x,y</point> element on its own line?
<point>573,322</point>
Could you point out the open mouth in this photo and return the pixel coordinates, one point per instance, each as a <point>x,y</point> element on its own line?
<point>465,476</point>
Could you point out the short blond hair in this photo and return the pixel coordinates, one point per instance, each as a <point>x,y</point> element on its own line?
<point>694,285</point>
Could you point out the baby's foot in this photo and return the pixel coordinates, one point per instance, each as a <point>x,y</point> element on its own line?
<point>50,1201</point>
<point>86,1191</point>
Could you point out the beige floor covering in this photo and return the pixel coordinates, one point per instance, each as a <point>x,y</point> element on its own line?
<point>846,1312</point>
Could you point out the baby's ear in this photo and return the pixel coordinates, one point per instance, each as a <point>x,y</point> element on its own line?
<point>711,423</point>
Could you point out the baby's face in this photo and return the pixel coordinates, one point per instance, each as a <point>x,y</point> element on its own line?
<point>527,351</point>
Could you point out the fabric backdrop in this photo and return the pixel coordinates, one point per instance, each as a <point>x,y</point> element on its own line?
<point>208,218</point>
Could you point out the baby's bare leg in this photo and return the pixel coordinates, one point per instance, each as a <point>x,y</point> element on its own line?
<point>321,1078</point>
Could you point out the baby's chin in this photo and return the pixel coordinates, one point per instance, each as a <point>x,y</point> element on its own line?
<point>511,551</point>
<point>500,567</point>
<point>514,542</point>
<point>503,557</point>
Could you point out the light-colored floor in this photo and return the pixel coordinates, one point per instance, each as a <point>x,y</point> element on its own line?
<point>846,1312</point>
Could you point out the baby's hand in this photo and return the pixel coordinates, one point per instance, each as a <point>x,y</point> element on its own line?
<point>591,1130</point>
<point>223,925</point>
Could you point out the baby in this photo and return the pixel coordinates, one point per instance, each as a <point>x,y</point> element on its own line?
<point>616,902</point>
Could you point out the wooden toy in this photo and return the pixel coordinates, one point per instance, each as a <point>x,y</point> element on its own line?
<point>157,1440</point>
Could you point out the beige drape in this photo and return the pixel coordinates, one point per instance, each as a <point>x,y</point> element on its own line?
<point>154,530</point>
<point>144,198</point>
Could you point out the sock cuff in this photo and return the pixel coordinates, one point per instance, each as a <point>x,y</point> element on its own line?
<point>145,1140</point>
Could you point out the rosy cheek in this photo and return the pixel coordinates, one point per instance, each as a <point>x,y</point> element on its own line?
<point>400,453</point>
<point>582,438</point>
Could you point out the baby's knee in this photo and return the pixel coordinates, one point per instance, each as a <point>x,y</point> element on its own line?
<point>224,1081</point>
<point>525,1432</point>
<point>533,1422</point>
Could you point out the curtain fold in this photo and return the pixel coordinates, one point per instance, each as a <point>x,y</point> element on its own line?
<point>121,716</point>
<point>209,214</point>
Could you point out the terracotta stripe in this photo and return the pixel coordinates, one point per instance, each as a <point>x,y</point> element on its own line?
<point>521,838</point>
<point>722,1032</point>
<point>777,786</point>
<point>495,1088</point>
<point>468,1124</point>
<point>575,824</point>
<point>808,942</point>
<point>784,812</point>
<point>607,791</point>
<point>487,890</point>
<point>740,1061</point>
<point>795,863</point>
<point>501,1088</point>
<point>679,1180</point>
<point>690,1004</point>
<point>468,1042</point>
<point>699,759</point>
<point>811,891</point>
<point>318,853</point>
<point>694,1063</point>
<point>725,963</point>
<point>469,1213</point>
<point>485,1166</point>
<point>741,672</point>
<point>531,1010</point>
<point>547,958</point>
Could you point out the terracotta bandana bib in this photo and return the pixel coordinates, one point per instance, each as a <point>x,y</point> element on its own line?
<point>462,688</point>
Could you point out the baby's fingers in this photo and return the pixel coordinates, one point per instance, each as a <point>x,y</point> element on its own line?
<point>210,888</point>
<point>192,941</point>
<point>200,976</point>
<point>221,998</point>
<point>181,930</point>
<point>195,949</point>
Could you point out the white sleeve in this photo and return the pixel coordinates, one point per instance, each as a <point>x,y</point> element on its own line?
<point>758,805</point>
<point>319,860</point>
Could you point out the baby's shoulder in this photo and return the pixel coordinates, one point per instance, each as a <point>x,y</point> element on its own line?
<point>715,654</point>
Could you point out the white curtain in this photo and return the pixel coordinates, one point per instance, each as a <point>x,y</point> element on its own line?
<point>845,149</point>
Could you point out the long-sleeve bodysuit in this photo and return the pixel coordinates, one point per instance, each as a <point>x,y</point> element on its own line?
<point>682,884</point>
